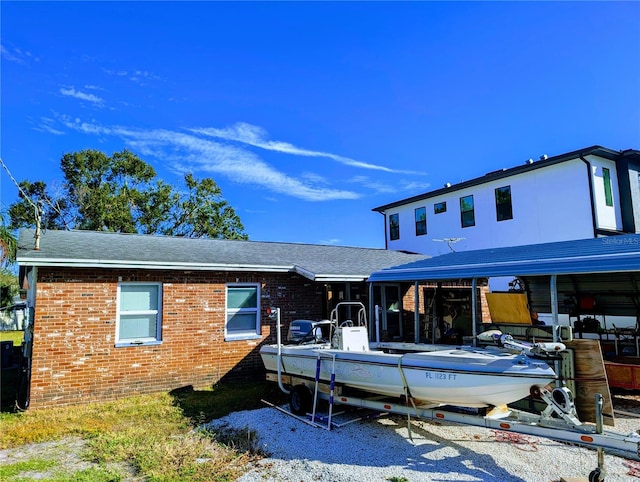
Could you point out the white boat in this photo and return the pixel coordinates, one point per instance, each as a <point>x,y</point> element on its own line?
<point>460,376</point>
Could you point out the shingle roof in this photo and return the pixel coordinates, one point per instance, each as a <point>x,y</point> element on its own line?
<point>596,255</point>
<point>99,249</point>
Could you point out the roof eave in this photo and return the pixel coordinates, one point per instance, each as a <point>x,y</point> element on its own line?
<point>329,277</point>
<point>122,264</point>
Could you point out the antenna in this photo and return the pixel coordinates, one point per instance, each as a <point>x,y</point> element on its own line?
<point>36,207</point>
<point>449,242</point>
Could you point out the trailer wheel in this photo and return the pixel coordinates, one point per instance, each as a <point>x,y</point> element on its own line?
<point>300,400</point>
<point>594,476</point>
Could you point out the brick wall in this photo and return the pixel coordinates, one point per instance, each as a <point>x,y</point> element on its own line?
<point>74,355</point>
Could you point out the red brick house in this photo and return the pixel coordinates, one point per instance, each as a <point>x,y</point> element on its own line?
<point>116,314</point>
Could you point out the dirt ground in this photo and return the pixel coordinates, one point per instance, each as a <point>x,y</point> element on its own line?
<point>68,452</point>
<point>626,401</point>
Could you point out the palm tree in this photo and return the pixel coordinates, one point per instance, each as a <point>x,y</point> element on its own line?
<point>8,245</point>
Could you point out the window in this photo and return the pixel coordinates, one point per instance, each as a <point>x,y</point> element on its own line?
<point>467,214</point>
<point>606,177</point>
<point>394,227</point>
<point>421,221</point>
<point>504,209</point>
<point>440,207</point>
<point>139,316</point>
<point>243,311</point>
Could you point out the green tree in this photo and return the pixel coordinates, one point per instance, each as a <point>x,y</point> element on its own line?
<point>121,193</point>
<point>8,280</point>
<point>8,246</point>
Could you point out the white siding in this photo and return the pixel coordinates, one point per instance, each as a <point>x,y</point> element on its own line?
<point>549,204</point>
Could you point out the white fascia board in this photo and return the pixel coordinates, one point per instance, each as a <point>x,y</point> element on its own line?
<point>341,278</point>
<point>325,277</point>
<point>97,263</point>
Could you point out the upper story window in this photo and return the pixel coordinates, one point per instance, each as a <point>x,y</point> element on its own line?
<point>139,313</point>
<point>504,209</point>
<point>421,221</point>
<point>467,213</point>
<point>394,227</point>
<point>440,207</point>
<point>608,195</point>
<point>243,311</point>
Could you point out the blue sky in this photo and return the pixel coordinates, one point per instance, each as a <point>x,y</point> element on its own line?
<point>308,115</point>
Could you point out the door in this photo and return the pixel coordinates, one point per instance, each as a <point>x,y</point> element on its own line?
<point>388,297</point>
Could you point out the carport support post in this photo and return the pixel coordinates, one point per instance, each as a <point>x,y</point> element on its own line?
<point>553,286</point>
<point>474,309</point>
<point>416,310</point>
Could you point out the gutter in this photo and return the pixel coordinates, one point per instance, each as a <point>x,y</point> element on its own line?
<point>591,197</point>
<point>98,263</point>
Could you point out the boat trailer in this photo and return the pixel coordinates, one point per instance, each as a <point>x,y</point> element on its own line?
<point>557,422</point>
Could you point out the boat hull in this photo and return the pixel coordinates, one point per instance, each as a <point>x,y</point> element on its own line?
<point>462,377</point>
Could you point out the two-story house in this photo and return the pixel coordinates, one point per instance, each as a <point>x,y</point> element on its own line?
<point>582,194</point>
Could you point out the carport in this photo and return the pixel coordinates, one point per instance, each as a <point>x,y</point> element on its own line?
<point>558,277</point>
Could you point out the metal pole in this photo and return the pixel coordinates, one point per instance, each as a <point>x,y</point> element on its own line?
<point>474,309</point>
<point>553,286</point>
<point>279,360</point>
<point>416,328</point>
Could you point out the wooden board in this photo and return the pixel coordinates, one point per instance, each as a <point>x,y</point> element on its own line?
<point>590,378</point>
<point>624,372</point>
<point>508,308</point>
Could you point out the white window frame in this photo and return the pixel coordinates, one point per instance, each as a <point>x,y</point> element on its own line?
<point>144,340</point>
<point>243,335</point>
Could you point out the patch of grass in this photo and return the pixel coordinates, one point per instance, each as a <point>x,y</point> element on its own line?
<point>202,406</point>
<point>153,434</point>
<point>40,469</point>
<point>31,465</point>
<point>92,474</point>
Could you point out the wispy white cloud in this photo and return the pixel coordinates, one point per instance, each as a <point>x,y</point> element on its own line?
<point>415,186</point>
<point>390,186</point>
<point>257,137</point>
<point>77,94</point>
<point>138,76</point>
<point>187,152</point>
<point>19,56</point>
<point>332,241</point>
<point>46,125</point>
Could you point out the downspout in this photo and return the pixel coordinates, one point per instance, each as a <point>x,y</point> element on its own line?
<point>23,396</point>
<point>591,197</point>
<point>386,243</point>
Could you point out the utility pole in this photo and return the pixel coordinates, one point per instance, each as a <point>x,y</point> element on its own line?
<point>37,207</point>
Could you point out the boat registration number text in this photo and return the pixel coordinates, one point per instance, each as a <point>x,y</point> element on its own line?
<point>440,376</point>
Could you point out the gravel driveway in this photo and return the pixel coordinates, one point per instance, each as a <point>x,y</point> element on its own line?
<point>380,449</point>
